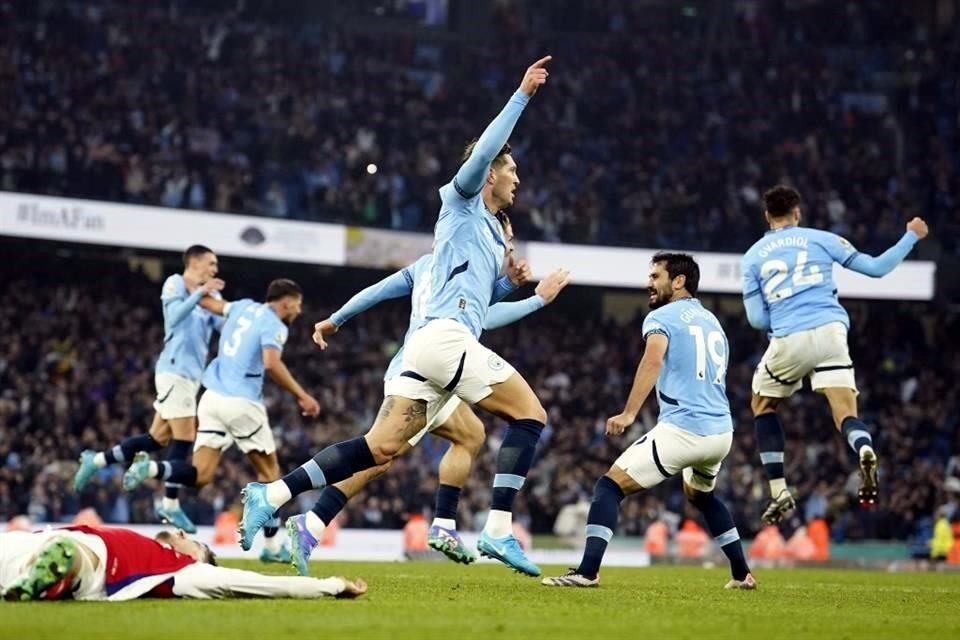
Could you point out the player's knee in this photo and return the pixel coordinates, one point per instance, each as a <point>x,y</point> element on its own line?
<point>473,437</point>
<point>205,475</point>
<point>695,497</point>
<point>534,411</point>
<point>385,450</point>
<point>162,435</point>
<point>760,405</point>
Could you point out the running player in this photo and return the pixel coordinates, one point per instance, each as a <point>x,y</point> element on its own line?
<point>444,357</point>
<point>231,409</point>
<point>454,421</point>
<point>186,342</point>
<point>686,358</point>
<point>789,291</point>
<point>109,563</point>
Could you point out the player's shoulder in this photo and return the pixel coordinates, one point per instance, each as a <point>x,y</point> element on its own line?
<point>659,320</point>
<point>174,285</point>
<point>455,200</point>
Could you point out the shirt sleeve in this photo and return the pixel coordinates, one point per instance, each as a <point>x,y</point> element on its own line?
<point>396,285</point>
<point>839,248</point>
<point>758,314</point>
<point>879,266</point>
<point>653,324</point>
<point>504,313</point>
<point>205,582</point>
<point>274,336</point>
<point>501,289</point>
<point>751,283</point>
<point>177,303</point>
<point>469,179</point>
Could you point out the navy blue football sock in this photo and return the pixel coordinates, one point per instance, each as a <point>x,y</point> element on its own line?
<point>856,434</point>
<point>178,472</point>
<point>771,443</point>
<point>329,504</point>
<point>178,450</point>
<point>601,523</point>
<point>448,498</point>
<point>130,447</point>
<point>723,530</point>
<point>335,463</point>
<point>513,461</point>
<point>272,527</point>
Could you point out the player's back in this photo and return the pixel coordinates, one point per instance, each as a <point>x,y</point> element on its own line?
<point>792,268</point>
<point>187,342</point>
<point>468,254</point>
<point>691,389</point>
<point>238,368</point>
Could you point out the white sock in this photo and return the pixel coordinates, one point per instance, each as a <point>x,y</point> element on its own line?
<point>446,523</point>
<point>864,449</point>
<point>278,493</point>
<point>499,524</point>
<point>273,543</point>
<point>170,504</point>
<point>154,471</point>
<point>100,460</point>
<point>315,525</point>
<point>777,485</point>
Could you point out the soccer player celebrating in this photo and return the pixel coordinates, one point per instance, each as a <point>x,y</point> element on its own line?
<point>107,563</point>
<point>444,357</point>
<point>231,409</point>
<point>686,358</point>
<point>186,342</point>
<point>788,291</point>
<point>454,421</point>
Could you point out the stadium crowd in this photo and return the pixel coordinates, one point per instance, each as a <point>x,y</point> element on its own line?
<point>175,105</point>
<point>79,375</point>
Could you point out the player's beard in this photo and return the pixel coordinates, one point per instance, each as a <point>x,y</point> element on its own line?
<point>660,298</point>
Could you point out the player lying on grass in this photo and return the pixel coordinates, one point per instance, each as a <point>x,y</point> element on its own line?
<point>106,563</point>
<point>686,357</point>
<point>454,420</point>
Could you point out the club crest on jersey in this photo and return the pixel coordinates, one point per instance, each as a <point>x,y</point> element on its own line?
<point>495,362</point>
<point>281,337</point>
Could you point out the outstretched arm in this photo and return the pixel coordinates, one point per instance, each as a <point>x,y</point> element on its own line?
<point>204,582</point>
<point>470,178</point>
<point>504,313</point>
<point>879,266</point>
<point>396,285</point>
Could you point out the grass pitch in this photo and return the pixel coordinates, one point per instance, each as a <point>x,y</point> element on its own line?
<point>434,599</point>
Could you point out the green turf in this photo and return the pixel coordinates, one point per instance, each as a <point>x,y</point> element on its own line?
<point>442,600</point>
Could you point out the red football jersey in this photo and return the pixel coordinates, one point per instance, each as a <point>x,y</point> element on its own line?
<point>132,557</point>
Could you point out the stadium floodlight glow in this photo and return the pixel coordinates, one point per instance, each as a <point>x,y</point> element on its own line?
<point>371,168</point>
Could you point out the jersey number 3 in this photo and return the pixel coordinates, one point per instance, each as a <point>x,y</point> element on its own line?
<point>777,271</point>
<point>712,344</point>
<point>234,342</point>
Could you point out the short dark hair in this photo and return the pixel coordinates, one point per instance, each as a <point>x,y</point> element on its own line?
<point>680,264</point>
<point>497,159</point>
<point>195,251</point>
<point>781,200</point>
<point>282,288</point>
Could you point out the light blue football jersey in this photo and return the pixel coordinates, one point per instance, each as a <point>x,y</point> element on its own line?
<point>691,389</point>
<point>418,276</point>
<point>186,340</point>
<point>237,371</point>
<point>792,268</point>
<point>468,253</point>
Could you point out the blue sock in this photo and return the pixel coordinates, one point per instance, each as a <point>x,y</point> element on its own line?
<point>178,450</point>
<point>771,443</point>
<point>856,434</point>
<point>271,528</point>
<point>448,497</point>
<point>724,531</point>
<point>601,522</point>
<point>178,472</point>
<point>329,504</point>
<point>335,463</point>
<point>130,447</point>
<point>513,461</point>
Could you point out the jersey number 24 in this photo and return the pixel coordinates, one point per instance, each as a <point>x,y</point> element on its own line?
<point>777,271</point>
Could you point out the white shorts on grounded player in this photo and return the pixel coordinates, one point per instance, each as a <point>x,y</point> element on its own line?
<point>666,450</point>
<point>176,396</point>
<point>438,410</point>
<point>225,420</point>
<point>821,353</point>
<point>18,549</point>
<point>442,358</point>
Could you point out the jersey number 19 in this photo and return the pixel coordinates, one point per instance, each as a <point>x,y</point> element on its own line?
<point>711,343</point>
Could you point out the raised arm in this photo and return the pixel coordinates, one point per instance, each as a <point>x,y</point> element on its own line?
<point>177,309</point>
<point>470,178</point>
<point>879,266</point>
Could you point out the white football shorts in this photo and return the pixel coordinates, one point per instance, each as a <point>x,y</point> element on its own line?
<point>225,420</point>
<point>821,353</point>
<point>176,396</point>
<point>666,450</point>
